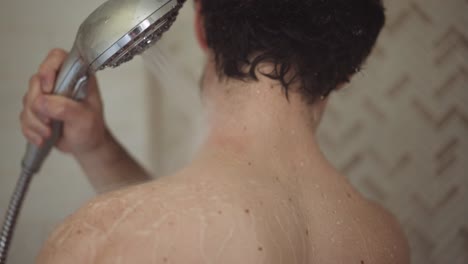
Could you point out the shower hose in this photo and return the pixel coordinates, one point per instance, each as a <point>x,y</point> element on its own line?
<point>12,213</point>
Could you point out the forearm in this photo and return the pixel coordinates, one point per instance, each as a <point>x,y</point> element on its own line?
<point>110,167</point>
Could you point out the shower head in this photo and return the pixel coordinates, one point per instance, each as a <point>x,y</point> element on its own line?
<point>121,29</point>
<point>113,34</point>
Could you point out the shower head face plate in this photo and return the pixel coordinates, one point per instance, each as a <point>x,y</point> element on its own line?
<point>140,43</point>
<point>120,29</point>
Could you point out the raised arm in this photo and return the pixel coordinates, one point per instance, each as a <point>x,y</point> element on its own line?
<point>85,134</point>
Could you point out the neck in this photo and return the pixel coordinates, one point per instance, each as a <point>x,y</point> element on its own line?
<point>252,121</point>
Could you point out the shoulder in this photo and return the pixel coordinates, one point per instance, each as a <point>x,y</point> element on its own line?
<point>164,221</point>
<point>387,228</point>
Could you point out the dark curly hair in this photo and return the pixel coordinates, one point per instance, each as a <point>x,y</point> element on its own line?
<point>320,43</point>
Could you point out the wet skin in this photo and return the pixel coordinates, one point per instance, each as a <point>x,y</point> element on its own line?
<point>259,191</point>
<point>229,215</point>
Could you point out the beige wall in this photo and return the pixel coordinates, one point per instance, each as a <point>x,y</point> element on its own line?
<point>399,132</point>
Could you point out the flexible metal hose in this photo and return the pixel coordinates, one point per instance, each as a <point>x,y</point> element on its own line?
<point>12,214</point>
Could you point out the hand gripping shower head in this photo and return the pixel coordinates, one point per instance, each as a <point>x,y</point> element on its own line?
<point>113,34</point>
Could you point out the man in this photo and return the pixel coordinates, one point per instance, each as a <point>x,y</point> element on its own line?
<point>259,190</point>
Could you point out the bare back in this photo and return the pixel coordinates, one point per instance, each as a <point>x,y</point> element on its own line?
<point>222,217</point>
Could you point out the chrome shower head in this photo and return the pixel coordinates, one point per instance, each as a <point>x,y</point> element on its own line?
<point>120,29</point>
<point>113,34</point>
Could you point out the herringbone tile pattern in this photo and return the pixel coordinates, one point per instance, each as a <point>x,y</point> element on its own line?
<point>401,131</point>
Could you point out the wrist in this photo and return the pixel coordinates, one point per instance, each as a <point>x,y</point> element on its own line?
<point>109,166</point>
<point>105,150</point>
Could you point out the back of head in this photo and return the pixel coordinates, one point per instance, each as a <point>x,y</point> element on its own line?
<point>316,43</point>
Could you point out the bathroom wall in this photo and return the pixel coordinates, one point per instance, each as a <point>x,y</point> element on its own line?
<point>399,131</point>
<point>29,29</point>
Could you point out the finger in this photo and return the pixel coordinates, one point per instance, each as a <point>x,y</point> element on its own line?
<point>59,108</point>
<point>32,137</point>
<point>32,122</point>
<point>33,92</point>
<point>45,120</point>
<point>53,61</point>
<point>49,68</point>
